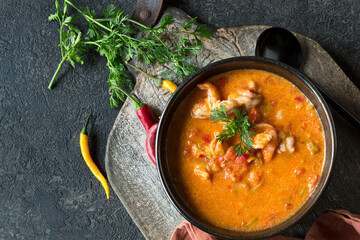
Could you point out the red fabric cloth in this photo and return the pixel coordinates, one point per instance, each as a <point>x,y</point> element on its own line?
<point>332,225</point>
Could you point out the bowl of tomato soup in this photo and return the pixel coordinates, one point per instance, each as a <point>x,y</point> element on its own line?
<point>245,148</point>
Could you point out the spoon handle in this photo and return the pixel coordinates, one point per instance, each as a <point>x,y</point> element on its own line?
<point>345,114</point>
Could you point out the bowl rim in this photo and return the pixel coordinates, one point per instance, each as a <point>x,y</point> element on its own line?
<point>333,146</point>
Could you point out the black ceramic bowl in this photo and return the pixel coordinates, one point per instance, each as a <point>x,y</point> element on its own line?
<point>226,65</point>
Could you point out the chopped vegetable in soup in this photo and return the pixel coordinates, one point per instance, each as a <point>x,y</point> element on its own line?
<point>245,149</point>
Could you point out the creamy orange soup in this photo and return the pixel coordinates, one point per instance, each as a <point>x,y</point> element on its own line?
<point>267,184</point>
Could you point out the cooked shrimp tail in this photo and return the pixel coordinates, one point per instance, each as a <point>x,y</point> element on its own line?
<point>266,140</point>
<point>212,101</point>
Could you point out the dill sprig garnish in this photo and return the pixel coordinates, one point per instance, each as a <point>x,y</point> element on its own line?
<point>240,126</point>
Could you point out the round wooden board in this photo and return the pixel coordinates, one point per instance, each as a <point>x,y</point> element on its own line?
<point>134,177</point>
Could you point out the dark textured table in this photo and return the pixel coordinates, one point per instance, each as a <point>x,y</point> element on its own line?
<point>47,192</point>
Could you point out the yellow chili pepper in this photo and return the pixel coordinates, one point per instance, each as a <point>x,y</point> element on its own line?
<point>84,146</point>
<point>168,85</point>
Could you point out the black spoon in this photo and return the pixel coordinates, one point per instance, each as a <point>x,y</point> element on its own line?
<point>281,45</point>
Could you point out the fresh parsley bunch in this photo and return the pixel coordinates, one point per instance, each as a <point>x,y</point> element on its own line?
<point>114,38</point>
<point>240,126</point>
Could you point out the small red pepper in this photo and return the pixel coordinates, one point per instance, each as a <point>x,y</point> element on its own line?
<point>150,142</point>
<point>146,117</point>
<point>144,113</point>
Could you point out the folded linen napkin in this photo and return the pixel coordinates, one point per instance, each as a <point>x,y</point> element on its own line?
<point>332,225</point>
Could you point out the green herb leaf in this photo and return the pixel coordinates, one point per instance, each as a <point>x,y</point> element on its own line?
<point>240,126</point>
<point>203,31</point>
<point>188,25</point>
<point>167,20</point>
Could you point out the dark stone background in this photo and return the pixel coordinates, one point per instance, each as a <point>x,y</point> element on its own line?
<point>46,190</point>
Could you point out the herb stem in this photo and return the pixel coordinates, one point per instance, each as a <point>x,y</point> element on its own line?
<point>89,19</point>
<point>137,23</point>
<point>86,16</point>
<point>61,40</point>
<point>146,27</point>
<point>57,71</point>
<point>137,103</point>
<point>160,40</point>
<point>186,32</point>
<point>157,80</point>
<point>92,43</point>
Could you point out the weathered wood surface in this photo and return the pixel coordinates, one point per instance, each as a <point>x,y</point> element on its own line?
<point>135,180</point>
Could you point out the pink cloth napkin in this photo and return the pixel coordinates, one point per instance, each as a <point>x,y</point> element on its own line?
<point>332,225</point>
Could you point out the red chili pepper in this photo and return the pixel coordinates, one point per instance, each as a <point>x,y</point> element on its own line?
<point>150,142</point>
<point>144,113</point>
<point>146,117</point>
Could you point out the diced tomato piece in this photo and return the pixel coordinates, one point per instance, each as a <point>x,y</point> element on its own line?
<point>299,99</point>
<point>230,155</point>
<point>288,206</point>
<point>221,81</point>
<point>206,138</point>
<point>235,172</point>
<point>242,159</point>
<point>252,91</point>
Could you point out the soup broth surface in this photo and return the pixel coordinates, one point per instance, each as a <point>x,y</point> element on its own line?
<point>263,187</point>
